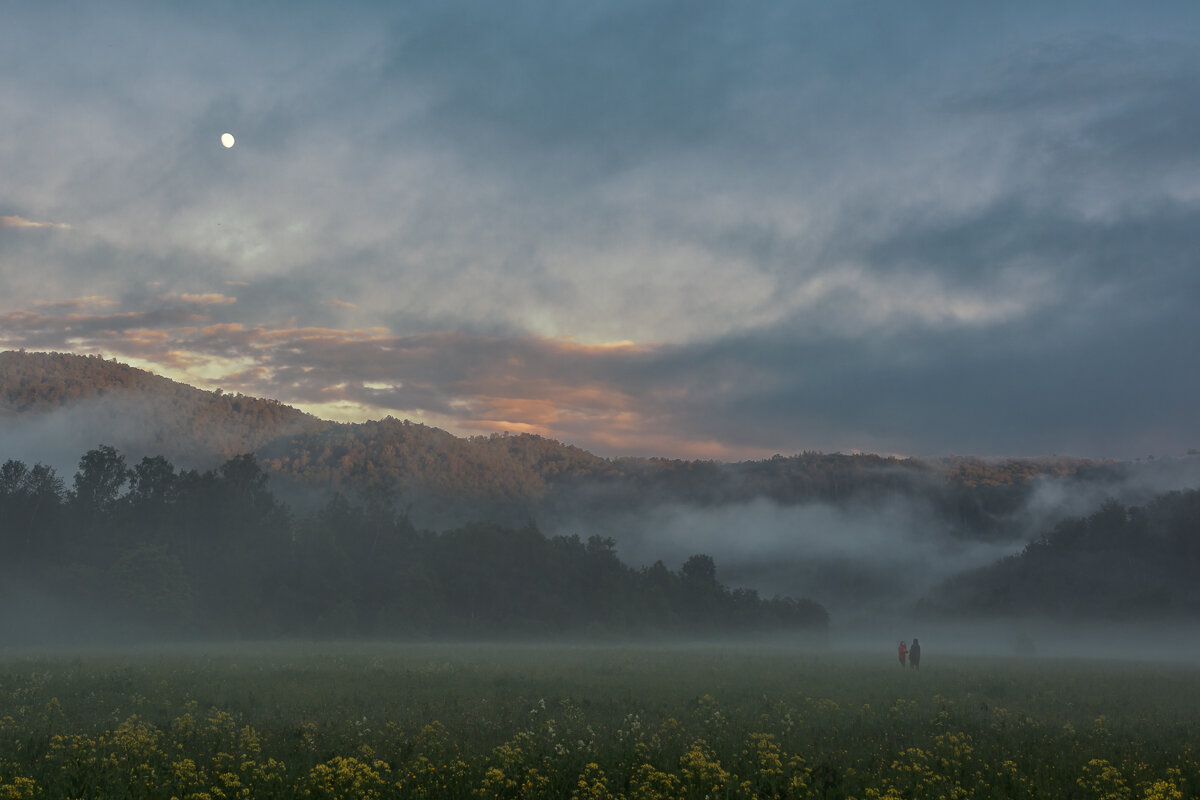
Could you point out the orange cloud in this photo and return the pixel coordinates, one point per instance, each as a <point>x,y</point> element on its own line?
<point>510,426</point>
<point>177,359</point>
<point>569,345</point>
<point>146,336</point>
<point>547,403</point>
<point>208,299</point>
<point>645,440</point>
<point>75,302</point>
<point>21,222</point>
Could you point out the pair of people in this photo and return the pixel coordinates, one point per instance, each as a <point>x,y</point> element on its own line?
<point>913,654</point>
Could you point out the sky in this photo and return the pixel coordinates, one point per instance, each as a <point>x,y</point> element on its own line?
<point>694,230</point>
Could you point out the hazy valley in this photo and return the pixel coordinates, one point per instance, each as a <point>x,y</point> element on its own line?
<point>877,541</point>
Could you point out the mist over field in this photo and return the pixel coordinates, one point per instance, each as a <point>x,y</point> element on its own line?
<point>866,557</point>
<point>1024,639</point>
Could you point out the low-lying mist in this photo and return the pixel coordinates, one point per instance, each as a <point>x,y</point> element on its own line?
<point>870,558</point>
<point>1023,638</point>
<point>1131,483</point>
<point>58,438</point>
<point>850,559</point>
<point>867,560</point>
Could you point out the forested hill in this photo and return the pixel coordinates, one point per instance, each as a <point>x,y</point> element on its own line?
<point>1120,562</point>
<point>446,480</point>
<point>139,411</point>
<point>500,475</point>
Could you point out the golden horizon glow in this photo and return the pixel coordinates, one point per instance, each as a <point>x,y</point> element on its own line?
<point>526,395</point>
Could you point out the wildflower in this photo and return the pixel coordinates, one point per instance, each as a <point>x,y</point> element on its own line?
<point>592,784</point>
<point>19,788</point>
<point>346,777</point>
<point>1162,790</point>
<point>649,783</point>
<point>702,772</point>
<point>1103,781</point>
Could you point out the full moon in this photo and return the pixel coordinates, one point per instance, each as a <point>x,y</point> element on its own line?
<point>227,139</point>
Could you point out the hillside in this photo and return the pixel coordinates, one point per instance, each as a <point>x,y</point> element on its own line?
<point>444,480</point>
<point>1120,562</point>
<point>496,475</point>
<point>137,411</point>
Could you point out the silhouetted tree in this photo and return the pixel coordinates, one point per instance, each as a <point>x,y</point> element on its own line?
<point>153,481</point>
<point>700,570</point>
<point>101,476</point>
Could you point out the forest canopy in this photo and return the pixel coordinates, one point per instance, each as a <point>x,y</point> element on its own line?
<point>147,549</point>
<point>1120,562</point>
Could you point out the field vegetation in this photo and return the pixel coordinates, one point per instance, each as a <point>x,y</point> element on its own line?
<point>586,721</point>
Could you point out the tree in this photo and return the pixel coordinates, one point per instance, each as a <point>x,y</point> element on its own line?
<point>30,500</point>
<point>152,481</point>
<point>700,570</point>
<point>44,489</point>
<point>243,473</point>
<point>12,477</point>
<point>101,476</point>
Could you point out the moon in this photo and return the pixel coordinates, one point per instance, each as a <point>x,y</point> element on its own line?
<point>227,140</point>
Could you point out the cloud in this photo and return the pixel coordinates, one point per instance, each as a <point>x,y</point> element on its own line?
<point>73,303</point>
<point>832,228</point>
<point>21,222</point>
<point>1095,378</point>
<point>207,299</point>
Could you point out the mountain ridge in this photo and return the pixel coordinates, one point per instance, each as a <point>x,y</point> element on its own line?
<point>41,381</point>
<point>448,480</point>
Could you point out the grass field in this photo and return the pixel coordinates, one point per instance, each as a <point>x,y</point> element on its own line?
<point>460,721</point>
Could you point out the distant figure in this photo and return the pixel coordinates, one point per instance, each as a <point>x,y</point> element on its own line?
<point>914,655</point>
<point>903,651</point>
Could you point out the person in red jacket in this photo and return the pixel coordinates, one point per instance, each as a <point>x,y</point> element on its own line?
<point>903,651</point>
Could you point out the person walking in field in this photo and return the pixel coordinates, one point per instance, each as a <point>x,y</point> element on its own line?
<point>903,651</point>
<point>914,655</point>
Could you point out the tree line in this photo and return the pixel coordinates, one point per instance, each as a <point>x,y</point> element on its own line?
<point>513,476</point>
<point>149,549</point>
<point>1120,562</point>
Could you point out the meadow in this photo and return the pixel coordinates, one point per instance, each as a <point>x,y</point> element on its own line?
<point>589,721</point>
